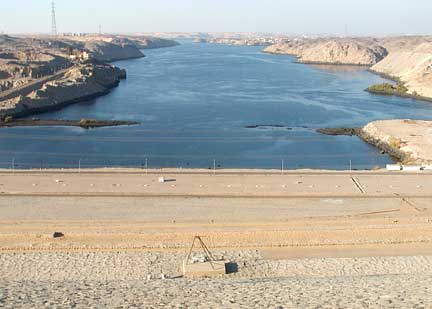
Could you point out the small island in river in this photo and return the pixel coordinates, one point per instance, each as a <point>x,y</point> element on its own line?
<point>83,123</point>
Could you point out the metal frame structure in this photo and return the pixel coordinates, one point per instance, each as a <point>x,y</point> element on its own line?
<point>53,20</point>
<point>207,253</point>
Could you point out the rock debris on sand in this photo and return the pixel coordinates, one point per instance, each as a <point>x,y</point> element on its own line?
<point>120,279</point>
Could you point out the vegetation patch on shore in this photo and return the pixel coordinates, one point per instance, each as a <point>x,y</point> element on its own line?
<point>388,89</point>
<point>83,123</point>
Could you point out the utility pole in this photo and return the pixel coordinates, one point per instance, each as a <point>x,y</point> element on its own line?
<point>100,29</point>
<point>53,20</point>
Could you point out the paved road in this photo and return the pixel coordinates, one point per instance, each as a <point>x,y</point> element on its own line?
<point>30,86</point>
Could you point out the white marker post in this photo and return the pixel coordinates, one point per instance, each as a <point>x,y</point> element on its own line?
<point>146,166</point>
<point>214,167</point>
<point>13,165</point>
<point>283,167</point>
<point>79,166</point>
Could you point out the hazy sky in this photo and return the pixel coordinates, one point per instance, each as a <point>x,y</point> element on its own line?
<point>375,17</point>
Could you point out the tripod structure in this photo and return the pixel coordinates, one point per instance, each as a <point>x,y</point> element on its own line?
<point>207,253</point>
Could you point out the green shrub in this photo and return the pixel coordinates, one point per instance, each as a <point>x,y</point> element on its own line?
<point>395,143</point>
<point>8,119</point>
<point>87,123</point>
<point>387,88</point>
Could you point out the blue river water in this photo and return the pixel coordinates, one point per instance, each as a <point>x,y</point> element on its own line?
<point>194,102</point>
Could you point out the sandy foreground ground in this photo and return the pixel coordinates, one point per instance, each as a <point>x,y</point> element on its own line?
<point>304,239</point>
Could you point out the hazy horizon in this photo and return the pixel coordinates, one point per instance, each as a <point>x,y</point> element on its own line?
<point>359,17</point>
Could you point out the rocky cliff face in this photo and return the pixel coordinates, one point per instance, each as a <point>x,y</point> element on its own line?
<point>332,51</point>
<point>344,52</point>
<point>412,66</point>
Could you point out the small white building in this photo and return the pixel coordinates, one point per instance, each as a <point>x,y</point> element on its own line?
<point>394,167</point>
<point>412,168</point>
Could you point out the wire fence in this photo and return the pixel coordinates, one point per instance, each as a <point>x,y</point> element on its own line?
<point>49,150</point>
<point>42,161</point>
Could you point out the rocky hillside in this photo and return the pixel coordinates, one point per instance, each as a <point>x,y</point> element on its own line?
<point>293,48</point>
<point>107,52</point>
<point>413,66</point>
<point>145,42</point>
<point>112,48</point>
<point>81,82</point>
<point>332,51</point>
<point>344,52</point>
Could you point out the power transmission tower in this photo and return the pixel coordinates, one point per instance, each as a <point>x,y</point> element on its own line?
<point>53,20</point>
